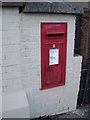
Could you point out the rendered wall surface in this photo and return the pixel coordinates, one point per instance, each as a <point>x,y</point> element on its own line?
<point>22,62</point>
<point>11,74</point>
<point>55,100</point>
<point>0,63</point>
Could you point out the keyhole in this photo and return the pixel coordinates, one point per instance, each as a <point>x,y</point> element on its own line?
<point>53,45</point>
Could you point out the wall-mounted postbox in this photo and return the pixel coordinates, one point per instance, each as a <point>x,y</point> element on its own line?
<point>53,54</point>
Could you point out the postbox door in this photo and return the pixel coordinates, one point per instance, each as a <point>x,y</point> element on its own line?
<point>53,55</point>
<point>53,63</point>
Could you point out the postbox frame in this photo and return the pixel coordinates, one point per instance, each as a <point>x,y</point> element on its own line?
<point>43,36</point>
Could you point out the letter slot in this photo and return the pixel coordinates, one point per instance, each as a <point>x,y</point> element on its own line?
<point>55,35</point>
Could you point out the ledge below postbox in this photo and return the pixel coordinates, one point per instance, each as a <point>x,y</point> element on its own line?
<point>54,7</point>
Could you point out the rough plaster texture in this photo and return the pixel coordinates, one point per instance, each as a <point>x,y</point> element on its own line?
<point>55,100</point>
<point>0,63</point>
<point>21,67</point>
<point>15,108</point>
<point>11,49</point>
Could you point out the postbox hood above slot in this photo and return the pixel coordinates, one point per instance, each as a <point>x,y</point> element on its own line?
<point>54,28</point>
<point>52,7</point>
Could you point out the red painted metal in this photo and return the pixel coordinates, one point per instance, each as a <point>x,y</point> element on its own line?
<point>53,75</point>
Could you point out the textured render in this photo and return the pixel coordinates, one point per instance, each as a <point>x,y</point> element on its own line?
<point>22,62</point>
<point>11,70</point>
<point>0,49</point>
<point>55,100</point>
<point>14,103</point>
<point>0,63</point>
<point>15,108</point>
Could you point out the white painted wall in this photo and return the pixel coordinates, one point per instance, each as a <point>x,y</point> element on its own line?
<point>0,62</point>
<point>11,49</point>
<point>55,100</point>
<point>22,62</point>
<point>14,100</point>
<point>15,105</point>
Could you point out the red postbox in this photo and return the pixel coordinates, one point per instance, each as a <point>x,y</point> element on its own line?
<point>53,54</point>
